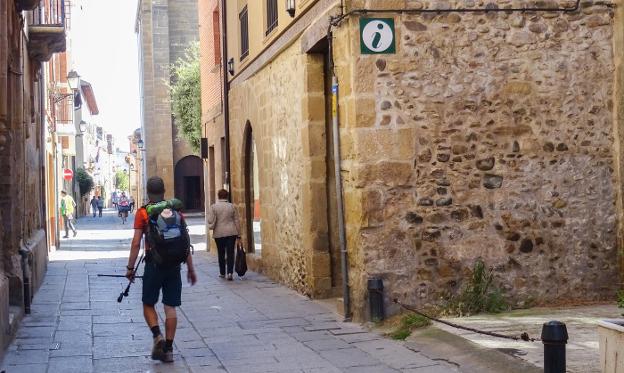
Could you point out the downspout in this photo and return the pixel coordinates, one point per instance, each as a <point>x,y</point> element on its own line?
<point>344,266</point>
<point>226,99</point>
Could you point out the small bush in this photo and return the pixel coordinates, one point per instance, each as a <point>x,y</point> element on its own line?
<point>409,323</point>
<point>620,299</point>
<point>85,181</point>
<point>478,295</point>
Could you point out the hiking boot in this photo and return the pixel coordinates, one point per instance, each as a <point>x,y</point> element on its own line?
<point>168,356</point>
<point>75,233</point>
<point>158,350</point>
<point>229,277</point>
<point>221,276</point>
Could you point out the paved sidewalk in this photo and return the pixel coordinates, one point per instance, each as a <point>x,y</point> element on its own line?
<point>245,326</point>
<point>582,354</point>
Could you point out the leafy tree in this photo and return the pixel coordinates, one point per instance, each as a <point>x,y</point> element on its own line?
<point>122,181</point>
<point>186,96</point>
<point>85,181</point>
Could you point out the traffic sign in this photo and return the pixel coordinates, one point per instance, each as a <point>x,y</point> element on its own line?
<point>68,174</point>
<point>377,36</point>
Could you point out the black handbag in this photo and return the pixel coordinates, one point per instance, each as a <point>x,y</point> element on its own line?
<point>240,265</point>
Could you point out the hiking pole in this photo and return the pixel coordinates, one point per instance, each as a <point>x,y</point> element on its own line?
<point>126,292</point>
<point>117,276</point>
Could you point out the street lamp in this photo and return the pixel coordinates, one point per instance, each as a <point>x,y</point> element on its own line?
<point>140,144</point>
<point>73,79</point>
<point>290,8</point>
<point>83,126</point>
<point>230,66</point>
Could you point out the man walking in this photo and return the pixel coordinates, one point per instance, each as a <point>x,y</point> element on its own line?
<point>68,207</point>
<point>94,205</point>
<point>100,205</point>
<point>157,277</point>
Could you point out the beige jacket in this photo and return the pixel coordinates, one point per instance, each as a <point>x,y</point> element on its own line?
<point>223,219</point>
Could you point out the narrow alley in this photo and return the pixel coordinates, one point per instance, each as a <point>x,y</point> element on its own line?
<point>250,325</point>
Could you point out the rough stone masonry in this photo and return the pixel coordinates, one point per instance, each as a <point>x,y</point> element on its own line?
<point>491,136</point>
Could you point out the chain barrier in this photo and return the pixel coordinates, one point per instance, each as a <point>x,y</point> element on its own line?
<point>523,337</point>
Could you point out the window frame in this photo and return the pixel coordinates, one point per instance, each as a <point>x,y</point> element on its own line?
<point>244,32</point>
<point>272,16</point>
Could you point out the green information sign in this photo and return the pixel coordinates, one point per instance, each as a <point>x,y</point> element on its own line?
<point>377,36</point>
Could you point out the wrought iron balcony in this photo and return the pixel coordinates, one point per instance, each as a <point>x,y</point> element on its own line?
<point>46,30</point>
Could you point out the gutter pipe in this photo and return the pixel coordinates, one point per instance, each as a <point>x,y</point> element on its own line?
<point>226,93</point>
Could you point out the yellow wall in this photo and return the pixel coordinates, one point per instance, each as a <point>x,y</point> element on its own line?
<point>257,27</point>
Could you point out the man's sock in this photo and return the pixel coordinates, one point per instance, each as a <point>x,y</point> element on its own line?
<point>155,331</point>
<point>169,345</point>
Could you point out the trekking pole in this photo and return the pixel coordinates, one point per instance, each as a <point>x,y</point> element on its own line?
<point>117,276</point>
<point>126,292</point>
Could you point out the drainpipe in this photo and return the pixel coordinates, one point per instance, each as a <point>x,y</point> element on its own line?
<point>226,91</point>
<point>346,296</point>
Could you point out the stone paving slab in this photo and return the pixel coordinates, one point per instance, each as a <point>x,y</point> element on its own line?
<point>244,326</point>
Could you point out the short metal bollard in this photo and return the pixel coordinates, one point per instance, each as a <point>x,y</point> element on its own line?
<point>554,338</point>
<point>375,299</point>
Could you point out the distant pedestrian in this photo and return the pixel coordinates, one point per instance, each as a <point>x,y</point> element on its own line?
<point>68,208</point>
<point>223,219</point>
<point>132,204</point>
<point>94,205</point>
<point>160,274</point>
<point>100,205</point>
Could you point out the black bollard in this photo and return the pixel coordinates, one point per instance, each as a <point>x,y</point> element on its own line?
<point>375,299</point>
<point>554,338</point>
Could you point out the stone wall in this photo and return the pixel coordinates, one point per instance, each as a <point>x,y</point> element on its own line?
<point>283,106</point>
<point>485,136</point>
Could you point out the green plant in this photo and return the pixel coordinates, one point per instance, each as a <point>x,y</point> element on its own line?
<point>409,323</point>
<point>121,180</point>
<point>478,295</point>
<point>620,299</point>
<point>186,96</point>
<point>85,181</point>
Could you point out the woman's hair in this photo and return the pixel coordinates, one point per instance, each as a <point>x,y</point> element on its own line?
<point>223,194</point>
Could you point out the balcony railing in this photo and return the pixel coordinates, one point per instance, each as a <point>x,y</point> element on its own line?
<point>49,13</point>
<point>46,30</point>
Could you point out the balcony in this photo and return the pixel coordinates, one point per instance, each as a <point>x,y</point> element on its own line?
<point>27,4</point>
<point>46,30</point>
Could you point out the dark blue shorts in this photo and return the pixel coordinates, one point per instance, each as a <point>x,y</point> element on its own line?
<point>169,280</point>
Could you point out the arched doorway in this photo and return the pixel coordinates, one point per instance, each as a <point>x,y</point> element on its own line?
<point>252,192</point>
<point>189,182</point>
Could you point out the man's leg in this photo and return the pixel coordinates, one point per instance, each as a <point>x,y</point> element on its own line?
<point>171,324</point>
<point>151,290</point>
<point>172,298</point>
<point>72,225</point>
<point>66,221</point>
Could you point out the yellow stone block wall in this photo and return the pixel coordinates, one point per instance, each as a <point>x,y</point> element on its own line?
<point>283,103</point>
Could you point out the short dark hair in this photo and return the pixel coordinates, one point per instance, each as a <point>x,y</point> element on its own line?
<point>223,194</point>
<point>155,185</point>
<point>63,192</point>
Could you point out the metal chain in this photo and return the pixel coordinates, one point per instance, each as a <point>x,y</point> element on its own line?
<point>523,337</point>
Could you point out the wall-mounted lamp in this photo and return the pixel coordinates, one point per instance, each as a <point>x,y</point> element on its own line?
<point>83,126</point>
<point>290,7</point>
<point>140,143</point>
<point>230,66</point>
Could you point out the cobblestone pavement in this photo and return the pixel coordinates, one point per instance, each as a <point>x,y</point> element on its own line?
<point>250,325</point>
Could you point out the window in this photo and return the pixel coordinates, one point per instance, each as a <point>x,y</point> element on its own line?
<point>271,14</point>
<point>244,33</point>
<point>216,32</point>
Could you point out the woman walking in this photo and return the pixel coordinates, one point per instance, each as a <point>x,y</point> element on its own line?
<point>224,221</point>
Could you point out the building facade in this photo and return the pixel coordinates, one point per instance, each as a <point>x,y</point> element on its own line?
<point>165,30</point>
<point>30,33</point>
<point>464,135</point>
